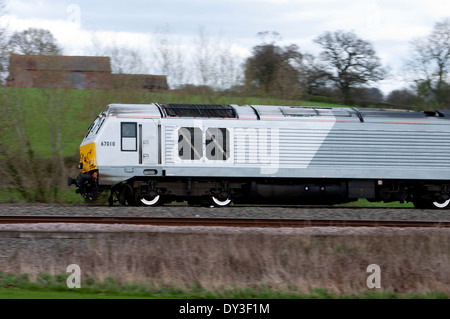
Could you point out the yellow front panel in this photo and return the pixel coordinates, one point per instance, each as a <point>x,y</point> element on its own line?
<point>88,158</point>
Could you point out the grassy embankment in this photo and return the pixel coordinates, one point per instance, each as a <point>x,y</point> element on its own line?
<point>232,264</point>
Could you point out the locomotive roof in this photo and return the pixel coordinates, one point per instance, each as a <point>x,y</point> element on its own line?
<point>270,112</point>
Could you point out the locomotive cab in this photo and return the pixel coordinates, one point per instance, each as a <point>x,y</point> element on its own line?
<point>87,181</point>
<point>120,142</point>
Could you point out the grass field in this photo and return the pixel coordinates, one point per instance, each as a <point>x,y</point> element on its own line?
<point>54,287</point>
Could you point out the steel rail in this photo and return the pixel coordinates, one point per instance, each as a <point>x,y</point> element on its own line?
<point>224,222</point>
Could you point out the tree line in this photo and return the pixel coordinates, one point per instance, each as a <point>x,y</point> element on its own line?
<point>346,70</point>
<point>348,67</point>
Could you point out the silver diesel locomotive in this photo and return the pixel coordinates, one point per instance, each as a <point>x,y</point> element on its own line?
<point>149,154</point>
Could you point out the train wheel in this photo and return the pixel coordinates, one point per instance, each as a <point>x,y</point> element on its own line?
<point>441,204</point>
<point>220,203</point>
<point>148,201</point>
<point>427,204</point>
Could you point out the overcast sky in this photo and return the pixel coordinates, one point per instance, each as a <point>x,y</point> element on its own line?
<point>390,25</point>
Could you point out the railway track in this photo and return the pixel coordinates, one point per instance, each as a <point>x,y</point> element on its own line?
<point>224,222</point>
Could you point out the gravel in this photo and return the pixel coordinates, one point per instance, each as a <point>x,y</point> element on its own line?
<point>407,214</point>
<point>55,230</point>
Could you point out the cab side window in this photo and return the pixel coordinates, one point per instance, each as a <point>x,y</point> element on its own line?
<point>128,134</point>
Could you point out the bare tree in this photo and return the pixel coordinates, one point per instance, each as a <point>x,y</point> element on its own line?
<point>124,60</point>
<point>3,41</point>
<point>429,64</point>
<point>210,65</point>
<point>169,57</point>
<point>349,61</point>
<point>313,74</point>
<point>264,36</point>
<point>214,66</point>
<point>226,66</point>
<point>34,41</point>
<point>3,28</point>
<point>204,59</point>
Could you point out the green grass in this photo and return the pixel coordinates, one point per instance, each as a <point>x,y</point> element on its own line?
<point>365,203</point>
<point>15,293</point>
<point>66,195</point>
<point>47,286</point>
<point>43,294</point>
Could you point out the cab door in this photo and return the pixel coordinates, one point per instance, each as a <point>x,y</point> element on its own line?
<point>148,141</point>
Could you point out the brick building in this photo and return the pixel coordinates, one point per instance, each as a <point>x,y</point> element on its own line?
<point>75,72</point>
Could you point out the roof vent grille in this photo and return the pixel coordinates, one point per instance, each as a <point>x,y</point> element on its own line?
<point>198,110</point>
